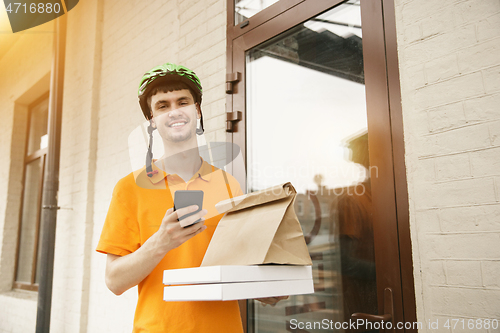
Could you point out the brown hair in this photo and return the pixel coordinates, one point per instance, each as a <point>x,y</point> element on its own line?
<point>166,87</point>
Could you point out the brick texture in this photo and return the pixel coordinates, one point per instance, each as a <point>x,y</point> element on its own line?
<point>122,39</point>
<point>20,314</point>
<point>70,303</point>
<point>30,70</point>
<point>449,69</point>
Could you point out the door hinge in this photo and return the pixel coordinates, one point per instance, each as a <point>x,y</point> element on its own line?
<point>231,119</point>
<point>231,79</point>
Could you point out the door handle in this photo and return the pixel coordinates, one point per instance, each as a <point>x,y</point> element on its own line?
<point>371,317</point>
<point>388,311</point>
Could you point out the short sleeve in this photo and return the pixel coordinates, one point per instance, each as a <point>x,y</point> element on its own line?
<point>120,233</point>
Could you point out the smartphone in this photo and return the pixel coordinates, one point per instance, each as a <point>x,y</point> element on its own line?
<point>188,198</point>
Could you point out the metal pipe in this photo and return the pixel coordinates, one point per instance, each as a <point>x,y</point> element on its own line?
<point>51,181</point>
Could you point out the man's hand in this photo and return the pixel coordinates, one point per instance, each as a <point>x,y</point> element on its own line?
<point>171,234</point>
<point>125,272</point>
<point>271,300</point>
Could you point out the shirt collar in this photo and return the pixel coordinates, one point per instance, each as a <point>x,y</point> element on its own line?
<point>205,172</point>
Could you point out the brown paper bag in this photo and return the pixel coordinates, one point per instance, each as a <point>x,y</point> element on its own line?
<point>261,229</point>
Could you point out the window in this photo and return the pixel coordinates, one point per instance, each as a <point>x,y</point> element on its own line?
<point>324,210</point>
<point>300,207</point>
<point>312,211</point>
<point>28,247</point>
<point>315,76</point>
<point>245,9</point>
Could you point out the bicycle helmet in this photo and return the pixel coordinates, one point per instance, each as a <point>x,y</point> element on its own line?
<point>164,73</point>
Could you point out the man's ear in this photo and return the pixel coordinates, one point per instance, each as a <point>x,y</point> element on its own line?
<point>152,123</point>
<point>198,111</point>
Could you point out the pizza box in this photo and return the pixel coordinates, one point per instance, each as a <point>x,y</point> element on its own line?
<point>236,273</point>
<point>237,291</point>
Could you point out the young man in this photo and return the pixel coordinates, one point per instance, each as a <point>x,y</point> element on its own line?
<point>142,235</point>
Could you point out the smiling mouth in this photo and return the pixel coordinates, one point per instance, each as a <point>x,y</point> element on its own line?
<point>178,124</point>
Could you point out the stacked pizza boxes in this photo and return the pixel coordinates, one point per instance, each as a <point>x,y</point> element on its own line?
<point>225,283</point>
<point>258,250</point>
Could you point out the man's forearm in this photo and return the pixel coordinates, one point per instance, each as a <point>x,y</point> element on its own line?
<point>123,273</point>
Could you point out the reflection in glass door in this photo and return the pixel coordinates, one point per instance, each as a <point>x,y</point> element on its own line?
<point>307,123</point>
<point>244,9</point>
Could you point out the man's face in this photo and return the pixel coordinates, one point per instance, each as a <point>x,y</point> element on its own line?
<point>175,114</point>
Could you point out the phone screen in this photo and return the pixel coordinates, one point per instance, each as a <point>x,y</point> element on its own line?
<point>188,198</point>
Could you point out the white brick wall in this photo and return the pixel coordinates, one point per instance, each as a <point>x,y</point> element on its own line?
<point>23,79</point>
<point>18,313</point>
<point>104,63</point>
<point>450,83</point>
<point>70,302</point>
<point>13,190</point>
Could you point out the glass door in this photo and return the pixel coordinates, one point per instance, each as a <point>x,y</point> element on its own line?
<point>309,119</point>
<point>306,123</point>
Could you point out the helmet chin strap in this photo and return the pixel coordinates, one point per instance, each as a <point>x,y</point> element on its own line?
<point>149,155</point>
<point>200,130</point>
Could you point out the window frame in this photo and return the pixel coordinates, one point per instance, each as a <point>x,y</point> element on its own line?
<point>28,158</point>
<point>261,17</point>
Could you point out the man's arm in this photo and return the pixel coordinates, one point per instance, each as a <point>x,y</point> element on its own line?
<point>123,273</point>
<point>271,300</point>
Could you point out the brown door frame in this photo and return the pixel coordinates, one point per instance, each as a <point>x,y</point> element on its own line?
<point>398,150</point>
<point>385,128</point>
<point>267,14</point>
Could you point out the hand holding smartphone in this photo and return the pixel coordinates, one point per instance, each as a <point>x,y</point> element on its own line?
<point>188,198</point>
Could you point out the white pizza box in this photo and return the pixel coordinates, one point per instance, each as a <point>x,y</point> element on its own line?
<point>235,273</point>
<point>238,290</point>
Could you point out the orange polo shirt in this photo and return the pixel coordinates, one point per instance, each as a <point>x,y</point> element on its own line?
<point>135,213</point>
